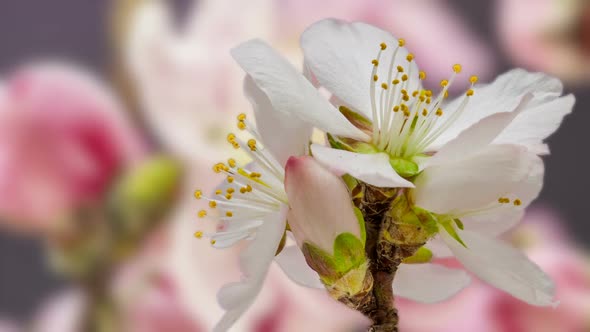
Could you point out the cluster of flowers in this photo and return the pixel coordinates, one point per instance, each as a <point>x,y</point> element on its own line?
<point>467,168</point>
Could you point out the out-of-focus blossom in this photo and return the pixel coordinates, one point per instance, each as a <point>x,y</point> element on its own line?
<point>64,138</point>
<point>547,35</point>
<point>482,308</point>
<point>188,85</point>
<point>8,326</point>
<point>63,312</point>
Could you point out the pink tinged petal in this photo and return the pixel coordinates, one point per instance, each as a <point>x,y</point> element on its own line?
<point>478,136</point>
<point>340,54</point>
<point>504,94</point>
<point>283,134</point>
<point>321,207</point>
<point>289,91</point>
<point>373,169</point>
<point>255,261</point>
<point>478,180</point>
<point>438,247</point>
<point>503,267</point>
<point>293,264</point>
<point>428,283</point>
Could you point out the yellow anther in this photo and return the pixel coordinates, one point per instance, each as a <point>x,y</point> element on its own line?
<point>229,214</point>
<point>404,77</point>
<point>241,125</point>
<point>255,175</point>
<point>228,196</point>
<point>439,112</point>
<point>473,79</point>
<point>235,145</point>
<point>218,192</point>
<point>446,94</point>
<point>230,190</point>
<point>422,98</point>
<point>230,179</point>
<point>428,93</point>
<point>396,108</point>
<point>202,214</point>
<point>444,83</point>
<point>375,78</point>
<point>198,194</point>
<point>231,162</point>
<point>422,75</point>
<point>401,42</point>
<point>517,202</point>
<point>248,188</point>
<point>383,46</point>
<point>400,69</point>
<point>213,242</point>
<point>396,81</point>
<point>219,167</point>
<point>375,62</point>
<point>404,92</point>
<point>406,98</point>
<point>428,101</point>
<point>406,112</point>
<point>243,190</point>
<point>410,57</point>
<point>469,92</point>
<point>415,93</point>
<point>457,68</point>
<point>252,144</point>
<point>198,234</point>
<point>424,112</point>
<point>242,117</point>
<point>384,86</point>
<point>404,107</point>
<point>212,204</point>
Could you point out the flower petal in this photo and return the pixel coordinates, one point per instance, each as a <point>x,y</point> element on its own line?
<point>478,135</point>
<point>283,134</point>
<point>503,267</point>
<point>504,94</point>
<point>373,169</point>
<point>292,262</point>
<point>255,261</point>
<point>428,283</point>
<point>477,181</point>
<point>340,54</point>
<point>321,207</point>
<point>289,91</point>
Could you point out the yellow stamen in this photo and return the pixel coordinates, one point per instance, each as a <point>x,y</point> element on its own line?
<point>383,46</point>
<point>198,234</point>
<point>213,204</point>
<point>252,144</point>
<point>457,68</point>
<point>229,214</point>
<point>241,117</point>
<point>198,194</point>
<point>375,62</point>
<point>384,86</point>
<point>202,214</point>
<point>410,57</point>
<point>422,75</point>
<point>517,202</point>
<point>473,79</point>
<point>469,92</point>
<point>375,78</point>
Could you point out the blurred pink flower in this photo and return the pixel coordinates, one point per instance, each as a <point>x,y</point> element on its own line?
<point>552,36</point>
<point>62,312</point>
<point>482,308</point>
<point>63,138</point>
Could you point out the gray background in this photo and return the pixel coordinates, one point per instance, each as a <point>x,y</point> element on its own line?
<point>75,29</point>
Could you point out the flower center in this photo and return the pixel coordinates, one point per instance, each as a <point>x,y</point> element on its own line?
<point>248,193</point>
<point>406,122</point>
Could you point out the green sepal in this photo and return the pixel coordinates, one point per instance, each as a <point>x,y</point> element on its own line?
<point>405,168</point>
<point>337,143</point>
<point>453,233</point>
<point>427,219</point>
<point>361,220</point>
<point>349,253</point>
<point>356,119</point>
<point>423,255</point>
<point>350,181</point>
<point>459,223</point>
<point>364,148</point>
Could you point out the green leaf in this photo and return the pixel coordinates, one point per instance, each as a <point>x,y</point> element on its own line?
<point>423,255</point>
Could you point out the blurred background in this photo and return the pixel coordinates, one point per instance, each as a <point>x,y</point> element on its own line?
<point>112,113</point>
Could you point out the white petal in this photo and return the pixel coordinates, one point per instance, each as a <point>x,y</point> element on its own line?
<point>438,247</point>
<point>289,91</point>
<point>373,169</point>
<point>477,181</point>
<point>292,262</point>
<point>478,135</point>
<point>428,283</point>
<point>321,207</point>
<point>503,267</point>
<point>255,261</point>
<point>283,134</point>
<point>530,128</point>
<point>503,95</point>
<point>340,54</point>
